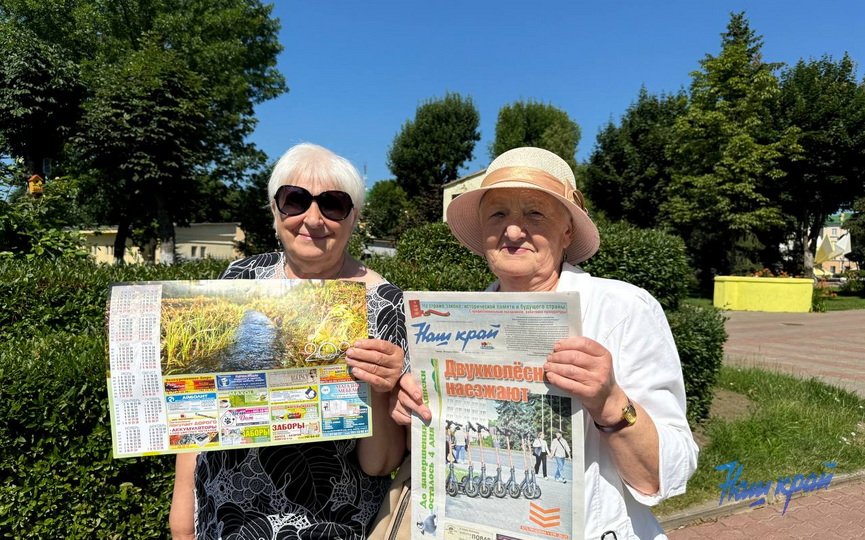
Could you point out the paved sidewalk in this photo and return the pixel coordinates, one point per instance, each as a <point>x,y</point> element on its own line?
<point>838,512</point>
<point>830,346</point>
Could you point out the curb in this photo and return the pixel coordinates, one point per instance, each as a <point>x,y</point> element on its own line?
<point>711,511</point>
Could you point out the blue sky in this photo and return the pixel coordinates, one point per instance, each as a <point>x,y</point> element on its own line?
<point>358,70</point>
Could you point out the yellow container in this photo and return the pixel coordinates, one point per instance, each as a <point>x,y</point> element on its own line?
<point>739,293</point>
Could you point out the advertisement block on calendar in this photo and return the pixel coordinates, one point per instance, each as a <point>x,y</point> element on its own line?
<point>211,365</point>
<point>478,466</point>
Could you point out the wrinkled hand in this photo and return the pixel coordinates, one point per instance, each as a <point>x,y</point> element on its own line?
<point>407,398</point>
<point>377,362</point>
<point>584,368</point>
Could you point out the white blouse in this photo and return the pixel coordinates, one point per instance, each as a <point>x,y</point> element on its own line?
<point>630,323</point>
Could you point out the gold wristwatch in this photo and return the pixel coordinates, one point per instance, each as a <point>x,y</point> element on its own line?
<point>629,416</point>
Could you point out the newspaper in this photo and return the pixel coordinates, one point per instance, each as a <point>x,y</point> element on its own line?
<point>210,365</point>
<point>479,360</point>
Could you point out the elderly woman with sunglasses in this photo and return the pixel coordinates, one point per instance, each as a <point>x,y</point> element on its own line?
<point>322,489</point>
<point>530,223</point>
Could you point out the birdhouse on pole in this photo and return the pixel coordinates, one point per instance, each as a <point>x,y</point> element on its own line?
<point>35,186</point>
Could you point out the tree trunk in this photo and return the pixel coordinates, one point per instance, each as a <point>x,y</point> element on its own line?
<point>811,231</point>
<point>35,165</point>
<point>120,240</point>
<point>807,260</point>
<point>807,254</point>
<point>148,251</point>
<point>166,232</point>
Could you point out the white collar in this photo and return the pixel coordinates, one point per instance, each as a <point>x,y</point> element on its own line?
<point>572,278</point>
<point>568,280</point>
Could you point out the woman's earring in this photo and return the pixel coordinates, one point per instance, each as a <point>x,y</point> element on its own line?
<point>564,256</point>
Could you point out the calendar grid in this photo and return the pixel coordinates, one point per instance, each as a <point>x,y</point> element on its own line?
<point>134,369</point>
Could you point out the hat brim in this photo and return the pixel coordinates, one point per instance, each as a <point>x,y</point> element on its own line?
<point>465,224</point>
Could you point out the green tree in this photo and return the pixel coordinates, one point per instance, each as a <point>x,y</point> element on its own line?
<point>517,418</point>
<point>531,123</point>
<point>40,93</point>
<point>232,45</point>
<point>629,170</point>
<point>429,151</point>
<point>726,152</point>
<point>218,61</point>
<point>36,227</point>
<point>855,226</point>
<point>254,216</point>
<point>142,130</point>
<point>386,209</point>
<point>823,99</point>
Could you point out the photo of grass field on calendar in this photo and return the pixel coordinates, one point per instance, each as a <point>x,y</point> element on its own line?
<point>243,325</point>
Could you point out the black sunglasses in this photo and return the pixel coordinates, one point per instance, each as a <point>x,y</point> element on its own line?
<point>294,200</point>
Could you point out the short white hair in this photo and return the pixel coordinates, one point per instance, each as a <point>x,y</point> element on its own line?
<point>310,162</point>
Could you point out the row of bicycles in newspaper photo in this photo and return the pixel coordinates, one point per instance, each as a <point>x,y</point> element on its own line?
<point>474,483</point>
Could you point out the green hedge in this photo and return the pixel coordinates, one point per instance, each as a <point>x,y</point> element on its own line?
<point>854,283</point>
<point>650,259</point>
<point>55,439</point>
<point>70,295</point>
<point>429,258</point>
<point>434,276</point>
<point>55,444</point>
<point>700,335</point>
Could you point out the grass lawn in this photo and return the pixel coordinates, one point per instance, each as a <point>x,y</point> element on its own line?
<point>841,302</point>
<point>699,302</point>
<point>845,302</point>
<point>774,425</point>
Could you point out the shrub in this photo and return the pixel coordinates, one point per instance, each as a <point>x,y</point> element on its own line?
<point>35,228</point>
<point>650,259</point>
<point>55,441</point>
<point>854,283</point>
<point>44,296</point>
<point>359,240</point>
<point>433,243</point>
<point>818,299</point>
<point>55,448</point>
<point>700,335</point>
<point>430,258</point>
<point>433,276</point>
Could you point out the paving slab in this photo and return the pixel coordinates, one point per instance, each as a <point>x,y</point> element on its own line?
<point>829,346</point>
<point>836,512</point>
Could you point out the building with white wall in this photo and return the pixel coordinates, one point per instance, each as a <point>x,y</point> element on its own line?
<point>456,188</point>
<point>198,241</point>
<point>835,231</point>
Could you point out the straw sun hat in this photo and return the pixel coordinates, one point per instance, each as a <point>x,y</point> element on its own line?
<point>527,168</point>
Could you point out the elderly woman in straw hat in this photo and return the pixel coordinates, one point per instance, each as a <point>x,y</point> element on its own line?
<point>531,224</point>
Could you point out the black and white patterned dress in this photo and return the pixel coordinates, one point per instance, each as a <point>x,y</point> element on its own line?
<point>305,491</point>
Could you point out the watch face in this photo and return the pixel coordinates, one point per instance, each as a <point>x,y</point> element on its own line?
<point>630,414</point>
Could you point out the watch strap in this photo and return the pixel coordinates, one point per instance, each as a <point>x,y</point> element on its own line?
<point>621,424</point>
<point>614,428</point>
